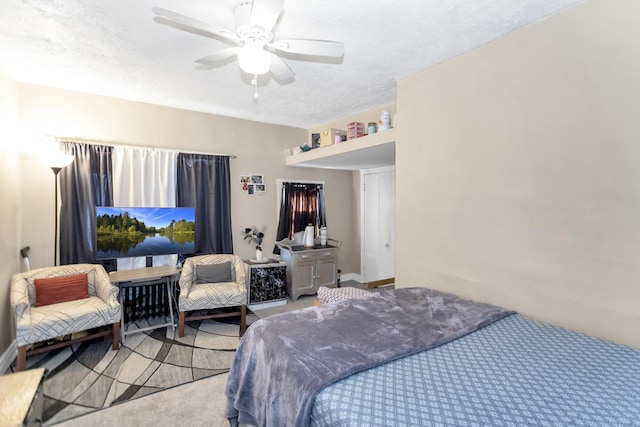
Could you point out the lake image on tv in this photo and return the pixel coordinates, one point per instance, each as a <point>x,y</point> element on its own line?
<point>131,232</point>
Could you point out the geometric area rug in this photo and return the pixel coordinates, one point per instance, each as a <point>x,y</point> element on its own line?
<point>89,376</point>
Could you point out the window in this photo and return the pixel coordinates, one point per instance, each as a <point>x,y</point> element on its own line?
<point>300,204</point>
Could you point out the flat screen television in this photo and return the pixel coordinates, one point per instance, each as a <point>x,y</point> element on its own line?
<point>133,232</point>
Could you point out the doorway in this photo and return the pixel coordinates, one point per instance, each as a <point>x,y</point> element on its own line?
<point>378,224</point>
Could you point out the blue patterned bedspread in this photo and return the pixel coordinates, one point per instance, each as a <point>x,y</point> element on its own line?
<point>514,372</point>
<point>283,361</point>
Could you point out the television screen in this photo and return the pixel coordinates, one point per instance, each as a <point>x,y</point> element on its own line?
<point>133,232</point>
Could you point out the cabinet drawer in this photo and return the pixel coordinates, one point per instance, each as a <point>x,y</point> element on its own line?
<point>315,255</point>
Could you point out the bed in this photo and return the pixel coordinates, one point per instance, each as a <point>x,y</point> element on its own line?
<point>419,357</point>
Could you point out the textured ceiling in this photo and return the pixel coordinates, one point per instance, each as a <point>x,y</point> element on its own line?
<point>115,48</point>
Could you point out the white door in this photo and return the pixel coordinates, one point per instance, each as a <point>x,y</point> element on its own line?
<point>378,218</point>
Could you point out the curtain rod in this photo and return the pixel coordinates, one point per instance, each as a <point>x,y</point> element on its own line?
<point>113,144</point>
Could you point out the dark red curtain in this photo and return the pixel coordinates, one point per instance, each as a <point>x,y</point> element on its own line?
<point>302,204</point>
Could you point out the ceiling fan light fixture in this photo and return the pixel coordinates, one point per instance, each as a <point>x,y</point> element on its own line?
<point>252,41</point>
<point>253,59</point>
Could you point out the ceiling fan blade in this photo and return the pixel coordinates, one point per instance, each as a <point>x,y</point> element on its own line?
<point>264,13</point>
<point>202,27</point>
<point>218,56</point>
<point>310,47</point>
<point>280,70</point>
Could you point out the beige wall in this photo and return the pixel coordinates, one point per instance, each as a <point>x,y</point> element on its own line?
<point>372,115</point>
<point>527,156</point>
<point>10,204</point>
<point>258,146</point>
<point>516,168</point>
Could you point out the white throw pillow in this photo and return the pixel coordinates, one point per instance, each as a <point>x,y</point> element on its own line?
<point>327,295</point>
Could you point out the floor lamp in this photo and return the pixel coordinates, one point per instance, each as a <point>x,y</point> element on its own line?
<point>59,162</point>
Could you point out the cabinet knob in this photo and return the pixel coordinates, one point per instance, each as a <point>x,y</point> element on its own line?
<point>327,254</point>
<point>305,256</point>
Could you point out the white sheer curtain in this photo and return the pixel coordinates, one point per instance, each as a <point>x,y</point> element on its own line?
<point>144,177</point>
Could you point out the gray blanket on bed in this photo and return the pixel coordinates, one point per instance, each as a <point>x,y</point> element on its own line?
<point>283,361</point>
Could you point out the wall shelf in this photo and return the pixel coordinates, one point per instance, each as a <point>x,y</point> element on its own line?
<point>366,152</point>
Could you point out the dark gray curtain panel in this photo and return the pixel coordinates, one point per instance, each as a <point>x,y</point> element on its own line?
<point>86,183</point>
<point>204,183</point>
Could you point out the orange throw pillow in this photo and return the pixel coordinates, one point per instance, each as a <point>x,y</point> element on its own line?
<point>61,289</point>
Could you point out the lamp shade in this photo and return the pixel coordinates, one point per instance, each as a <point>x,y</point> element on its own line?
<point>59,160</point>
<point>253,59</point>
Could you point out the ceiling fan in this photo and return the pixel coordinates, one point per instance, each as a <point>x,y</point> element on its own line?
<point>252,41</point>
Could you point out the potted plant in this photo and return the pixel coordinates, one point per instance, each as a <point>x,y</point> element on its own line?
<point>252,235</point>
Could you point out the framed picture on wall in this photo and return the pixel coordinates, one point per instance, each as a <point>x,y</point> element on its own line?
<point>252,183</point>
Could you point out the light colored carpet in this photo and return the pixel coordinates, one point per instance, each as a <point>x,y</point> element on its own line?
<point>198,403</point>
<point>90,376</point>
<point>195,404</point>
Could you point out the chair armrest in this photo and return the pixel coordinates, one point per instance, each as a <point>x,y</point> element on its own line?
<point>19,299</point>
<point>105,290</point>
<point>241,274</point>
<point>187,276</point>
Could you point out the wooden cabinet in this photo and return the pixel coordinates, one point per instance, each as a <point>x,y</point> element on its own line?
<point>310,268</point>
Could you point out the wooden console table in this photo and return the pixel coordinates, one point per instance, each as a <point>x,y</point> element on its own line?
<point>126,279</point>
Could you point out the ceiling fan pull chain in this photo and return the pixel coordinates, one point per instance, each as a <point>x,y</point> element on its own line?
<point>255,85</point>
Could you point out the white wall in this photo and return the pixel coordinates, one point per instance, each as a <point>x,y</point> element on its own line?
<point>518,172</point>
<point>258,147</point>
<point>10,204</point>
<point>354,252</point>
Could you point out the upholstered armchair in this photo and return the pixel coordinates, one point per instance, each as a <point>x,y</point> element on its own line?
<point>210,282</point>
<point>53,302</point>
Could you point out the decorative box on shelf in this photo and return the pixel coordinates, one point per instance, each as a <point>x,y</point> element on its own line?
<point>355,130</point>
<point>315,140</point>
<point>328,136</point>
<point>266,283</point>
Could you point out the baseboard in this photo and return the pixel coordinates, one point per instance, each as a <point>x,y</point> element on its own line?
<point>382,282</point>
<point>351,276</point>
<point>8,357</point>
<point>263,305</point>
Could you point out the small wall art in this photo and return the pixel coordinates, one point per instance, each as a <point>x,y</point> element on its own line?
<point>253,184</point>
